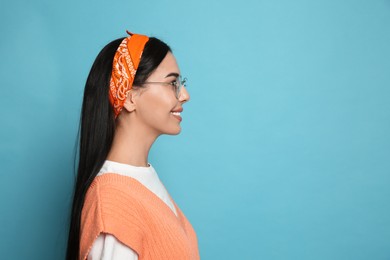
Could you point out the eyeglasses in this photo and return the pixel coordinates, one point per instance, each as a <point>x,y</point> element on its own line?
<point>176,85</point>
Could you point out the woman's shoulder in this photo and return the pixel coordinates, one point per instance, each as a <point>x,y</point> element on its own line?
<point>114,184</point>
<point>112,205</point>
<point>112,196</point>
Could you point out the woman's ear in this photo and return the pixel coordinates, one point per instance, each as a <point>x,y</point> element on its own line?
<point>130,102</point>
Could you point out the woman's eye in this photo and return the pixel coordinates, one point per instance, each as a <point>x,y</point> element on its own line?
<point>174,83</point>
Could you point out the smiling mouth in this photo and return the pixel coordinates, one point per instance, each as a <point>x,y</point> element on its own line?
<point>177,115</point>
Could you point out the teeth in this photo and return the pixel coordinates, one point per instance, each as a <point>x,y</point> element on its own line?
<point>175,113</point>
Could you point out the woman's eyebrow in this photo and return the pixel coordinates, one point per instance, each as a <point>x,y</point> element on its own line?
<point>174,74</point>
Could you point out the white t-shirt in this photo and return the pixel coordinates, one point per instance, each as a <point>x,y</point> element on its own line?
<point>106,246</point>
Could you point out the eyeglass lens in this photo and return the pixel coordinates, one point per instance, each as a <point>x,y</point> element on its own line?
<point>178,86</point>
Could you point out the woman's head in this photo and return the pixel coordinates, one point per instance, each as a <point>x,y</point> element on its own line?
<point>153,106</point>
<point>156,106</point>
<point>147,93</point>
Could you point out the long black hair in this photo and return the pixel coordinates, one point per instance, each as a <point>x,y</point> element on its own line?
<point>97,124</point>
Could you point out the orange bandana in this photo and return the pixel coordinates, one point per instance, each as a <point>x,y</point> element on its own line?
<point>124,67</point>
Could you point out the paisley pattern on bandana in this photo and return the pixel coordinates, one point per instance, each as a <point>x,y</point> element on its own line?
<point>124,68</point>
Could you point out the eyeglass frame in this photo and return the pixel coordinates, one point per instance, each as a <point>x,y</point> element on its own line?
<point>177,88</point>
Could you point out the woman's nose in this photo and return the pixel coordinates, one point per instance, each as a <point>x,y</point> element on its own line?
<point>184,95</point>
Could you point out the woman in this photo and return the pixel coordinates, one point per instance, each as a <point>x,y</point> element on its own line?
<point>121,210</point>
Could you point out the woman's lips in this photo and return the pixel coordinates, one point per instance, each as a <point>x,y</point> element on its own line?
<point>177,115</point>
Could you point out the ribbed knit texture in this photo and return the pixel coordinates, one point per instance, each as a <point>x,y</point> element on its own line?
<point>121,206</point>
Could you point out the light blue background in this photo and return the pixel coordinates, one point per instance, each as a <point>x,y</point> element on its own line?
<point>285,148</point>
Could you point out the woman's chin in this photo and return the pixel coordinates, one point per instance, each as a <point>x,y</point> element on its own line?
<point>174,131</point>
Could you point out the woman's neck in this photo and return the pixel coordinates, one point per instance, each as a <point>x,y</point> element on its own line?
<point>131,146</point>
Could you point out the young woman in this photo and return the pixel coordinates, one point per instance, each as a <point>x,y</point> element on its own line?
<point>121,210</point>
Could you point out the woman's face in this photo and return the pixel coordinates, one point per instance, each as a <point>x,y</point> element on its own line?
<point>158,109</point>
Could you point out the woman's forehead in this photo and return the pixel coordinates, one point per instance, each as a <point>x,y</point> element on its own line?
<point>168,67</point>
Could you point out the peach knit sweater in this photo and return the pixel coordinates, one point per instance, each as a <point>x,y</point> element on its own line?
<point>121,206</point>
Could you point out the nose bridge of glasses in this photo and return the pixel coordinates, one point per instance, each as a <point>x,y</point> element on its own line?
<point>183,82</point>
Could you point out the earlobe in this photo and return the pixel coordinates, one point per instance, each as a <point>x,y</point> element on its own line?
<point>130,104</point>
